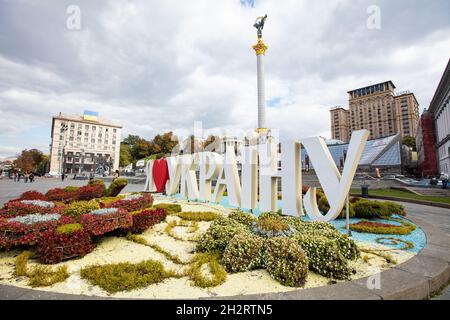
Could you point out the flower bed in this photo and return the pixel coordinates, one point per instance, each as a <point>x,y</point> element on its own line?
<point>132,203</point>
<point>32,195</point>
<point>88,192</point>
<point>142,220</point>
<point>26,230</point>
<point>26,207</point>
<point>383,228</point>
<point>65,242</point>
<point>102,221</point>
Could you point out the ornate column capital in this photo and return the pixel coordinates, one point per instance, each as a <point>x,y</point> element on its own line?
<point>260,47</point>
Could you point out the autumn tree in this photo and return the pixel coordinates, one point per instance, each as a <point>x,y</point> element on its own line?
<point>31,160</point>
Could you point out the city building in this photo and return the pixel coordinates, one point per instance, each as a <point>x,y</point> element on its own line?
<point>383,153</point>
<point>440,109</point>
<point>84,144</point>
<point>426,146</point>
<point>378,109</point>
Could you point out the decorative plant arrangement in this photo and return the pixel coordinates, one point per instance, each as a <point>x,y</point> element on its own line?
<point>287,248</point>
<point>65,242</point>
<point>102,221</point>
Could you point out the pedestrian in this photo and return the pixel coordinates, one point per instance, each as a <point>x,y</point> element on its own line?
<point>25,177</point>
<point>31,177</point>
<point>62,176</point>
<point>19,176</point>
<point>444,178</point>
<point>116,175</point>
<point>15,176</point>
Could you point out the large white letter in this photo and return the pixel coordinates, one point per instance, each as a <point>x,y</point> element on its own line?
<point>173,164</point>
<point>189,187</point>
<point>229,178</point>
<point>149,182</point>
<point>268,177</point>
<point>249,174</point>
<point>291,178</point>
<point>335,187</point>
<point>210,165</point>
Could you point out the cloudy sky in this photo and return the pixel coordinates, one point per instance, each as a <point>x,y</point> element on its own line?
<point>160,65</point>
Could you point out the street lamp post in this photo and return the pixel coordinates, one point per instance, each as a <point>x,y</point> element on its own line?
<point>64,128</point>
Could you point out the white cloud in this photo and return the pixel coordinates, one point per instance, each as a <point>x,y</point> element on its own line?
<point>155,66</point>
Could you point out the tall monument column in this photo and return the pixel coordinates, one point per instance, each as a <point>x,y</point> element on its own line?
<point>260,49</point>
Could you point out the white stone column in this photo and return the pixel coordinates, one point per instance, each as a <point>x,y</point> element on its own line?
<point>261,93</point>
<point>260,49</point>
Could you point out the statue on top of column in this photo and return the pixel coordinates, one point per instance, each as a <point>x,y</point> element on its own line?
<point>259,25</point>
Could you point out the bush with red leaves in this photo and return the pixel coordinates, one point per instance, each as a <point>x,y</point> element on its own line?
<point>59,194</point>
<point>14,233</point>
<point>16,208</point>
<point>142,220</point>
<point>54,247</point>
<point>135,204</point>
<point>32,195</point>
<point>90,192</point>
<point>98,224</point>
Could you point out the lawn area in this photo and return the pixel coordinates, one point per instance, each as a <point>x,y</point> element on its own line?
<point>402,194</point>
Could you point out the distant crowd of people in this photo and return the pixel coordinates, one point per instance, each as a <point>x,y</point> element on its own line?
<point>26,177</point>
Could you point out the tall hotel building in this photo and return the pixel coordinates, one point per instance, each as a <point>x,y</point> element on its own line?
<point>378,109</point>
<point>83,143</point>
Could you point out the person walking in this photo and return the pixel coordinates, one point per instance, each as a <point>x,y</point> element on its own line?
<point>31,177</point>
<point>444,178</point>
<point>116,175</point>
<point>62,177</point>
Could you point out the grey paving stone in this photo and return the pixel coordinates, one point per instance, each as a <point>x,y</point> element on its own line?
<point>11,292</point>
<point>396,284</point>
<point>437,271</point>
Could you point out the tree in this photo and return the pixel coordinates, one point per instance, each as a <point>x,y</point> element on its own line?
<point>164,143</point>
<point>410,142</point>
<point>125,155</point>
<point>31,160</point>
<point>212,143</point>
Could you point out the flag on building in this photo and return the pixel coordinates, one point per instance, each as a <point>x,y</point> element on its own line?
<point>90,115</point>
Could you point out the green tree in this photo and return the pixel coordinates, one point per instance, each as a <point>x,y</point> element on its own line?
<point>410,142</point>
<point>164,143</point>
<point>125,155</point>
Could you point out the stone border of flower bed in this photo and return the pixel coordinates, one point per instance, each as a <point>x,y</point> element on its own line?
<point>417,278</point>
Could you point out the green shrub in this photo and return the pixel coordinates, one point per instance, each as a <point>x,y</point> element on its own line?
<point>243,253</point>
<point>125,276</point>
<point>286,262</point>
<point>218,272</point>
<point>95,182</point>
<point>44,276</point>
<point>21,264</point>
<point>370,209</point>
<point>220,234</point>
<point>324,256</point>
<point>242,217</point>
<point>170,208</point>
<point>324,206</point>
<point>199,216</point>
<point>116,187</point>
<point>70,189</point>
<point>391,208</point>
<point>69,228</point>
<point>78,208</point>
<point>272,225</point>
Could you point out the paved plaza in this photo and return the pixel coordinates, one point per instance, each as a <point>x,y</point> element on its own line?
<point>10,190</point>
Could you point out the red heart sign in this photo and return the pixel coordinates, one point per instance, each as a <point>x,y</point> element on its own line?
<point>160,174</point>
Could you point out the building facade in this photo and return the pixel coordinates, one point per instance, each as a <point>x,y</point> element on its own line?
<point>426,146</point>
<point>378,109</point>
<point>440,109</point>
<point>84,144</point>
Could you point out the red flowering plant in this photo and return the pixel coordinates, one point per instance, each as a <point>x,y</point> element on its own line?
<point>26,230</point>
<point>62,195</point>
<point>142,220</point>
<point>15,208</point>
<point>102,221</point>
<point>64,242</point>
<point>90,192</point>
<point>133,202</point>
<point>32,195</point>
